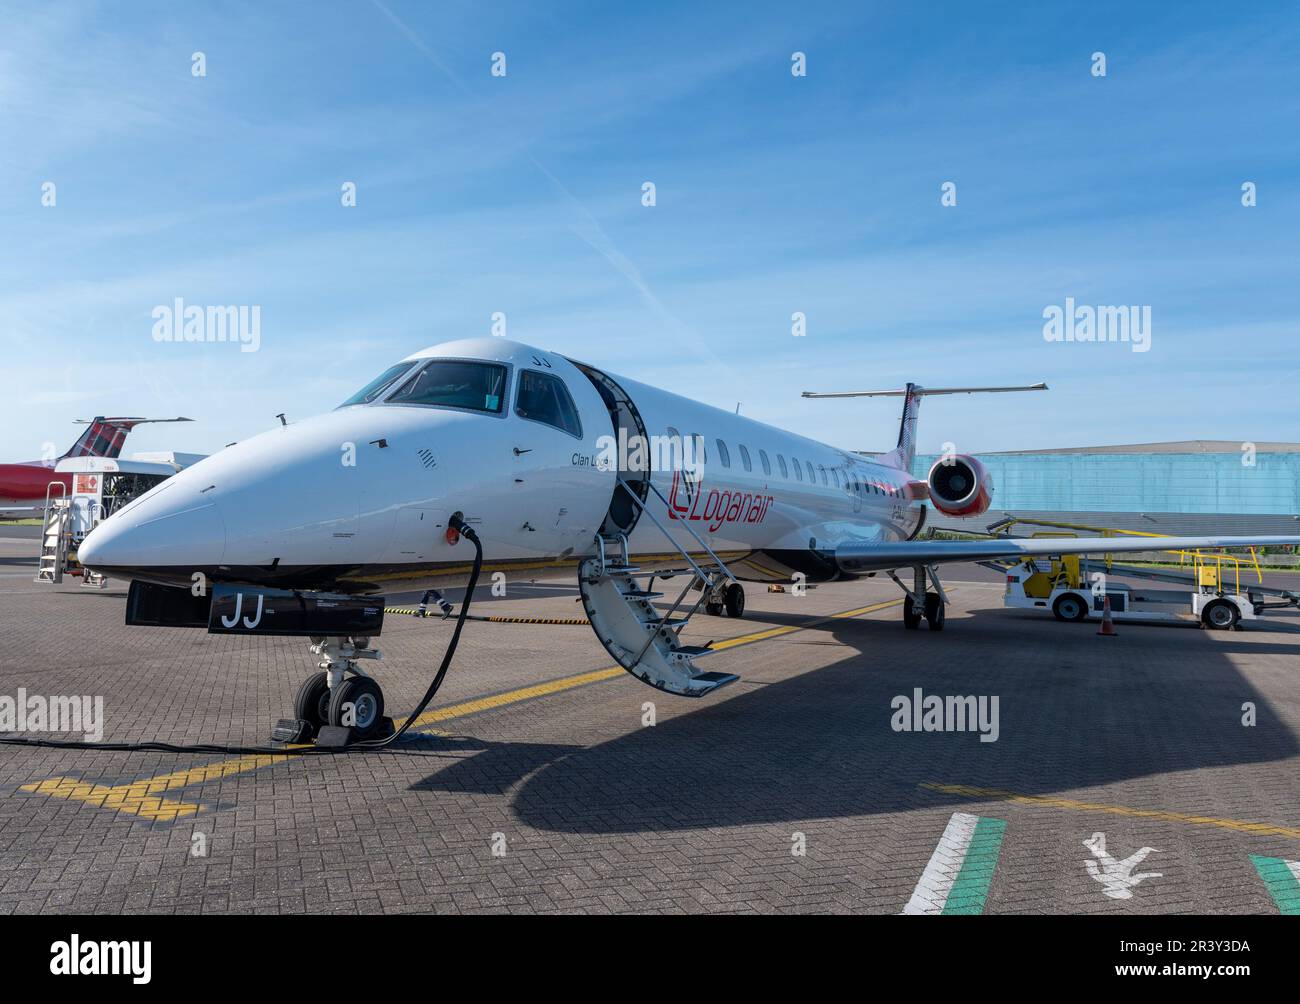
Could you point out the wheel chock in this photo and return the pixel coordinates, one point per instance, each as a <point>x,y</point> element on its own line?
<point>291,730</point>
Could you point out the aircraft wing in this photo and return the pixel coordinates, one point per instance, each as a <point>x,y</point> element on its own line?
<point>877,557</point>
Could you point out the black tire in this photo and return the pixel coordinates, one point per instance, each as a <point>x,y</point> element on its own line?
<point>734,600</point>
<point>911,616</point>
<point>713,609</point>
<point>934,611</point>
<point>1070,607</point>
<point>1220,615</point>
<point>312,704</point>
<point>366,699</point>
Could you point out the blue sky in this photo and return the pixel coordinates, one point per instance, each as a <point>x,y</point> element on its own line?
<point>775,194</point>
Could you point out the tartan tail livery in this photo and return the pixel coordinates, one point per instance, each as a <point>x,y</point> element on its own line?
<point>104,437</point>
<point>24,485</point>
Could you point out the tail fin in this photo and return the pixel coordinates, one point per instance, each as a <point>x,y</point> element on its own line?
<point>902,455</point>
<point>104,437</point>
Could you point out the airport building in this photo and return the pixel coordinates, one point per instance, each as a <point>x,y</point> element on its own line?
<point>1192,487</point>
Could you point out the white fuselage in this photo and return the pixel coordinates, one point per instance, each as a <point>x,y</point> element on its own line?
<point>363,493</point>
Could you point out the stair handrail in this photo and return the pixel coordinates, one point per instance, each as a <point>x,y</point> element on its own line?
<point>63,493</point>
<point>645,509</point>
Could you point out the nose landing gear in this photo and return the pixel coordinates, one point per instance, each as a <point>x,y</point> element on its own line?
<point>331,697</point>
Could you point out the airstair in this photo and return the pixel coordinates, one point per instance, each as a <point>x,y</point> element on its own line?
<point>618,597</point>
<point>56,535</point>
<point>67,521</point>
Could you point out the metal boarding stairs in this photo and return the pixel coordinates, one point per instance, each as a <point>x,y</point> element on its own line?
<point>56,534</point>
<point>622,613</point>
<point>56,539</point>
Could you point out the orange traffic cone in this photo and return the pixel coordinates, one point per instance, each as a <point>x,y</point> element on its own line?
<point>1107,622</point>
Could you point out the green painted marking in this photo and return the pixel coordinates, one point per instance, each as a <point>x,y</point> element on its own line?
<point>1281,883</point>
<point>971,886</point>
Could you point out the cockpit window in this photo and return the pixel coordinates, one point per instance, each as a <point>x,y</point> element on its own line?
<point>451,383</point>
<point>378,385</point>
<point>544,398</point>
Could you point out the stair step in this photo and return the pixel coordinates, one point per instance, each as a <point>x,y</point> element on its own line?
<point>642,594</point>
<point>709,682</point>
<point>693,651</point>
<point>667,622</point>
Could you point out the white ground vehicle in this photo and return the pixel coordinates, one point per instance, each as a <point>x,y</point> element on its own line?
<point>1074,593</point>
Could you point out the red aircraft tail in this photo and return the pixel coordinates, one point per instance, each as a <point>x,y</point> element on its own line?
<point>104,436</point>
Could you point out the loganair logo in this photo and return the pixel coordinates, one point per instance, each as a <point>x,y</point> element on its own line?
<point>688,500</point>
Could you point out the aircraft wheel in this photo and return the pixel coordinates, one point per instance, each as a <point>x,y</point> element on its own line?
<point>734,600</point>
<point>312,704</point>
<point>359,703</point>
<point>713,609</point>
<point>911,616</point>
<point>1220,615</point>
<point>934,612</point>
<point>1070,607</point>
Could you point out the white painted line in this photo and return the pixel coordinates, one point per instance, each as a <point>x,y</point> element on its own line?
<point>931,893</point>
<point>1294,868</point>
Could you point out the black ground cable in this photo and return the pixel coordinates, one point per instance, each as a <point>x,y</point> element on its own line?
<point>361,746</point>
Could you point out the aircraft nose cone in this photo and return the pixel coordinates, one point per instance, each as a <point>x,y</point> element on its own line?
<point>192,536</point>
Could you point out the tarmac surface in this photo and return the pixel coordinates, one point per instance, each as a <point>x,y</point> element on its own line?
<point>538,784</point>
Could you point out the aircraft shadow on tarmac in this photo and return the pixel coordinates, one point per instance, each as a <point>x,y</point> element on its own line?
<point>1075,710</point>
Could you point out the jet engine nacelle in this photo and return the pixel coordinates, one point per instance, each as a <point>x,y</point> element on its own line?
<point>960,486</point>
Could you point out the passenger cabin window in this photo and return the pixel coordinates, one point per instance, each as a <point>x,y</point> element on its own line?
<point>762,459</point>
<point>798,468</point>
<point>836,474</point>
<point>378,385</point>
<point>544,398</point>
<point>448,383</point>
<point>744,458</point>
<point>812,477</point>
<point>723,455</point>
<point>780,462</point>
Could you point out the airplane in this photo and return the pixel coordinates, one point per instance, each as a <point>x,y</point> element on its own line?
<point>541,460</point>
<point>24,486</point>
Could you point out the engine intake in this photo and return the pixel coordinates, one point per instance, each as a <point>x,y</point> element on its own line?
<point>960,486</point>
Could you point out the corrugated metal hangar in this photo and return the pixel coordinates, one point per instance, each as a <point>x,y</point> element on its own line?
<point>1189,487</point>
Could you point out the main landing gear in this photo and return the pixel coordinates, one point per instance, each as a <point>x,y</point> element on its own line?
<point>731,599</point>
<point>920,603</point>
<point>341,694</point>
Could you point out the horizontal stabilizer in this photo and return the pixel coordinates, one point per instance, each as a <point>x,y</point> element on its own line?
<point>928,391</point>
<point>901,456</point>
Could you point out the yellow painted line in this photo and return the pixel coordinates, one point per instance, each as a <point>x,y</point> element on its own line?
<point>533,566</point>
<point>143,798</point>
<point>513,697</point>
<point>599,675</point>
<point>1241,826</point>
